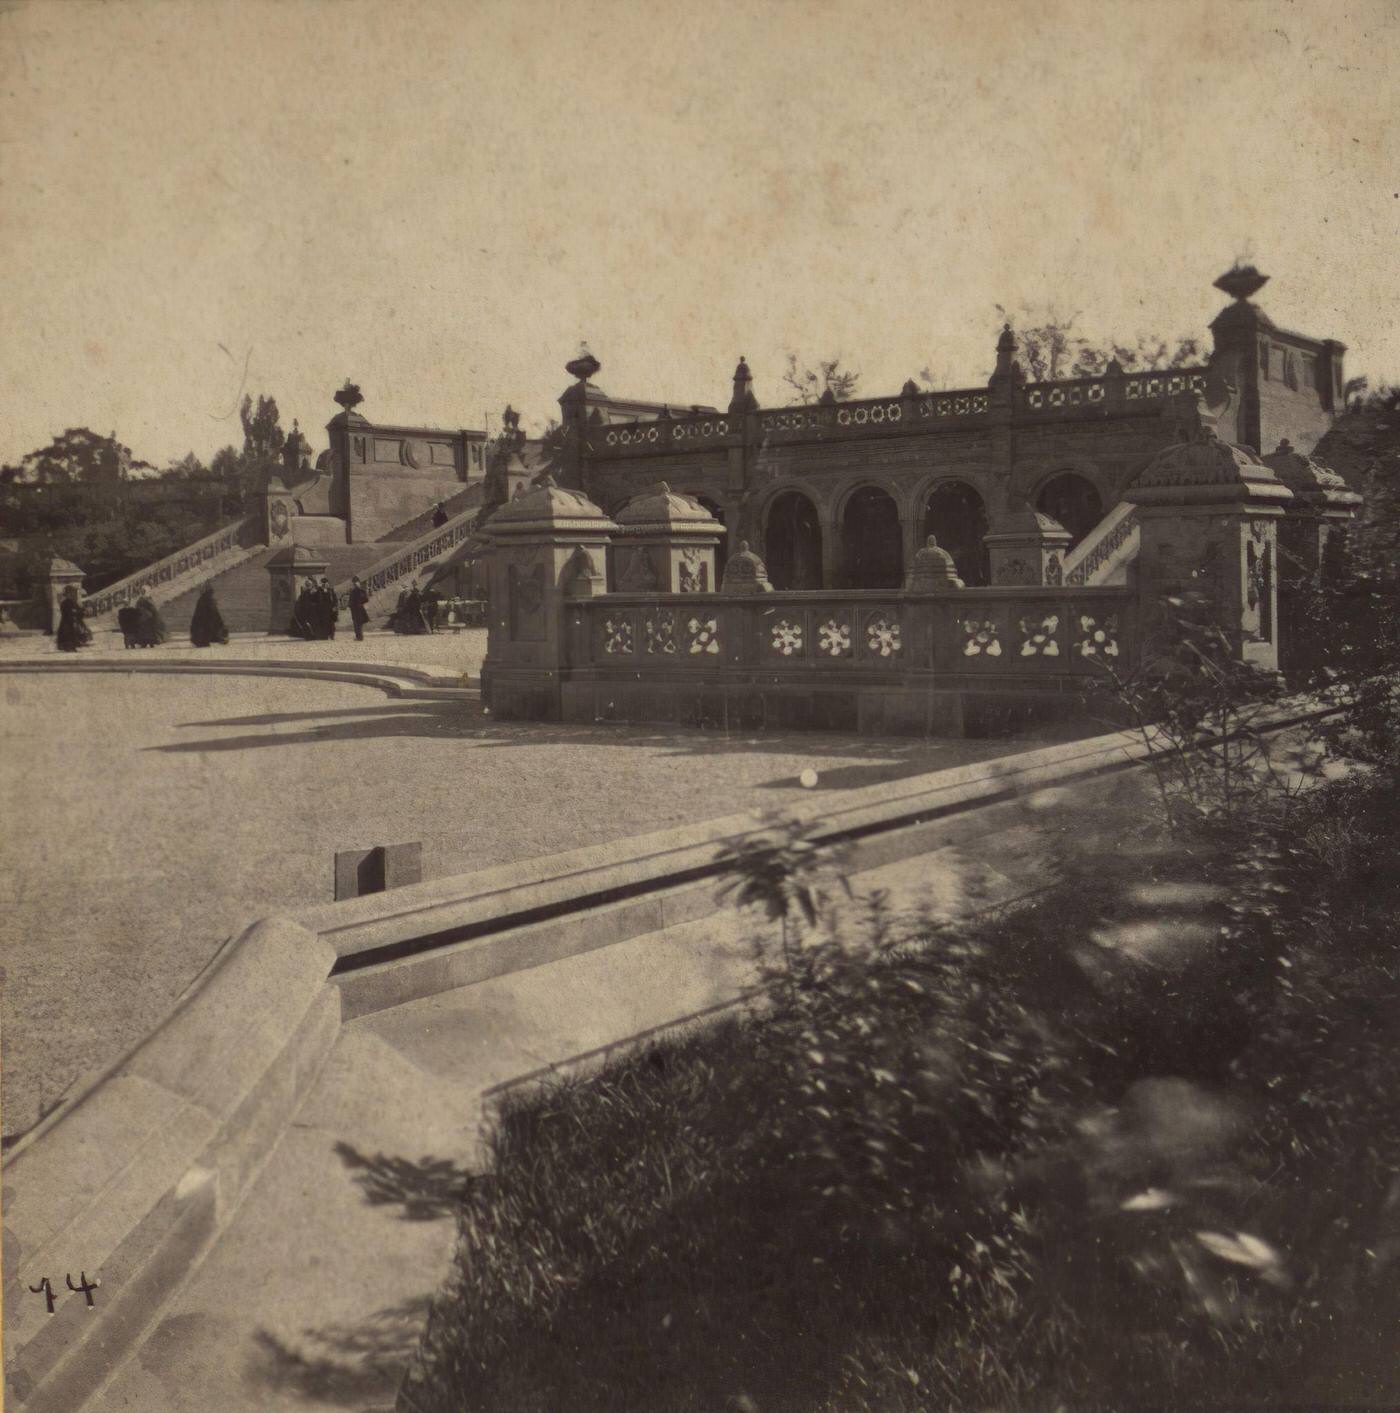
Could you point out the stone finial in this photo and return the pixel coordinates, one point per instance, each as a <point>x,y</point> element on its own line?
<point>743,399</point>
<point>584,366</point>
<point>933,570</point>
<point>350,396</point>
<point>1241,281</point>
<point>910,388</point>
<point>827,399</point>
<point>1309,480</point>
<point>745,573</point>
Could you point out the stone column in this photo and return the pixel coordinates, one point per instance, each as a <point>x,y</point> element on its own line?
<point>60,576</point>
<point>665,545</point>
<point>1027,547</point>
<point>1209,515</point>
<point>288,570</point>
<point>534,566</point>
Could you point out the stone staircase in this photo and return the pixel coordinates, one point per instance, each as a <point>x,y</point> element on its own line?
<point>468,498</point>
<point>244,596</point>
<point>1105,555</point>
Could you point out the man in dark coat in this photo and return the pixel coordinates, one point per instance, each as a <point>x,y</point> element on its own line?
<point>129,623</point>
<point>359,608</point>
<point>431,600</point>
<point>330,608</point>
<point>440,516</point>
<point>207,623</point>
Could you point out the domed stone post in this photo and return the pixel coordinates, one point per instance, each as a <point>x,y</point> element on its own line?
<point>534,568</point>
<point>1209,515</point>
<point>666,545</point>
<point>1027,547</point>
<point>1321,508</point>
<point>288,570</point>
<point>61,573</point>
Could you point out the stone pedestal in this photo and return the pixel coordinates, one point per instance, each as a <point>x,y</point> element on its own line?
<point>534,566</point>
<point>1026,548</point>
<point>1209,515</point>
<point>278,508</point>
<point>61,575</point>
<point>666,544</point>
<point>288,570</point>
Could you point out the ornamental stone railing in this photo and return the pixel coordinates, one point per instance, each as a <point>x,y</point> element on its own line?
<point>1117,529</point>
<point>180,571</point>
<point>1021,637</point>
<point>408,559</point>
<point>911,410</point>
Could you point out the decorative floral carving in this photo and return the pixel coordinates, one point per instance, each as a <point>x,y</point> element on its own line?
<point>1098,639</point>
<point>694,575</point>
<point>1054,571</point>
<point>834,638</point>
<point>661,631</point>
<point>882,636</point>
<point>703,635</point>
<point>981,638</point>
<point>787,637</point>
<point>617,636</point>
<point>1038,636</point>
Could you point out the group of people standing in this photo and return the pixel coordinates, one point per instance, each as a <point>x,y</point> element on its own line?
<point>317,610</point>
<point>416,611</point>
<point>140,623</point>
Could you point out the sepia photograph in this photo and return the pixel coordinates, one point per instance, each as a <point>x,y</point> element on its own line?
<point>700,706</point>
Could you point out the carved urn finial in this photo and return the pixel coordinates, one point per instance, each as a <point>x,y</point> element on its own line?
<point>745,573</point>
<point>350,396</point>
<point>1241,281</point>
<point>933,570</point>
<point>584,366</point>
<point>1008,370</point>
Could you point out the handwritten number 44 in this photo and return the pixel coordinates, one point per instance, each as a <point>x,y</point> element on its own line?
<point>84,1288</point>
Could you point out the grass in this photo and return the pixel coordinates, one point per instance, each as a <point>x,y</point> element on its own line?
<point>1000,1167</point>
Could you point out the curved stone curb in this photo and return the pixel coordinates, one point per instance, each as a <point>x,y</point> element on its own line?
<point>394,679</point>
<point>139,1175</point>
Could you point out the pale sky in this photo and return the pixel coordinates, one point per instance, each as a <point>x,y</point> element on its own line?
<point>440,200</point>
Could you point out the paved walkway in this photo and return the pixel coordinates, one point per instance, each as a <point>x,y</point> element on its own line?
<point>150,816</point>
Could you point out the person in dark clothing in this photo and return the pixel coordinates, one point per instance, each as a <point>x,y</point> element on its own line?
<point>398,620</point>
<point>129,623</point>
<point>73,633</point>
<point>304,613</point>
<point>330,607</point>
<point>150,626</point>
<point>207,623</point>
<point>359,608</point>
<point>440,516</point>
<point>414,621</point>
<point>431,601</point>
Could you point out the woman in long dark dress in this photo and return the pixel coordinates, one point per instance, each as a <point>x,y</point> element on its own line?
<point>359,608</point>
<point>150,626</point>
<point>207,623</point>
<point>72,633</point>
<point>414,621</point>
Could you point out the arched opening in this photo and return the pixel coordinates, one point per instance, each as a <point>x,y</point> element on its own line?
<point>721,549</point>
<point>955,514</point>
<point>792,543</point>
<point>872,543</point>
<point>1072,500</point>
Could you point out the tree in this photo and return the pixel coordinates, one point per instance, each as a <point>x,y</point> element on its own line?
<point>812,384</point>
<point>263,437</point>
<point>1051,347</point>
<point>77,456</point>
<point>186,468</point>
